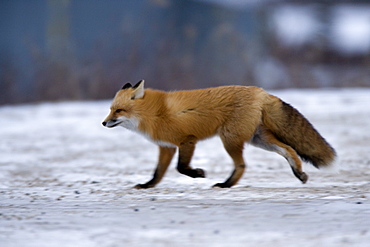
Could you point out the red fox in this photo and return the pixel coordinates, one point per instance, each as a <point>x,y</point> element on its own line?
<point>238,114</point>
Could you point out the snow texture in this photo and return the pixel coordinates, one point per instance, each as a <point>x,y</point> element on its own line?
<point>65,180</point>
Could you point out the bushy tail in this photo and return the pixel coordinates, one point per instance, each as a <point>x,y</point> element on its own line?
<point>292,128</point>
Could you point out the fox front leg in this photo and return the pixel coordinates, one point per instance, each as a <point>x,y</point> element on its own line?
<point>164,160</point>
<point>186,150</point>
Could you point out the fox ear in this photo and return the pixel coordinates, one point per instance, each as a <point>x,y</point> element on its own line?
<point>138,84</point>
<point>138,92</point>
<point>127,85</point>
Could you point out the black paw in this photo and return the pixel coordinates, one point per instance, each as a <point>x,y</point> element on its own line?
<point>303,177</point>
<point>300,175</point>
<point>199,173</point>
<point>143,186</point>
<point>221,185</point>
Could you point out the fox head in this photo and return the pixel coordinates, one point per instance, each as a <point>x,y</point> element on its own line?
<point>121,110</point>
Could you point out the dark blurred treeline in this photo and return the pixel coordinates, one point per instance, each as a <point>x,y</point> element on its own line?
<point>86,49</point>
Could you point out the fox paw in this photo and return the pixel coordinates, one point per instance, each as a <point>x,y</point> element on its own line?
<point>199,173</point>
<point>221,185</point>
<point>300,175</point>
<point>303,177</point>
<point>143,186</point>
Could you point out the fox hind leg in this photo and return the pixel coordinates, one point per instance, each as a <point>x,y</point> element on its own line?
<point>235,150</point>
<point>265,139</point>
<point>186,150</point>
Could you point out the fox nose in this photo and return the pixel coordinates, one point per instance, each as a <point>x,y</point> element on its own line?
<point>104,123</point>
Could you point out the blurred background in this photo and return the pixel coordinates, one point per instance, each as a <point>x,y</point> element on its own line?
<point>87,49</point>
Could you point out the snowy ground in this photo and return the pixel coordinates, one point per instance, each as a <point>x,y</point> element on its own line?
<point>67,181</point>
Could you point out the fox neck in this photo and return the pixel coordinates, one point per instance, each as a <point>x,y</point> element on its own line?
<point>148,116</point>
<point>141,127</point>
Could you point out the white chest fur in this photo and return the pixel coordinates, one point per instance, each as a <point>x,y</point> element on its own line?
<point>133,124</point>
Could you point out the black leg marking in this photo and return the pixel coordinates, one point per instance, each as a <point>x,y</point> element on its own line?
<point>300,175</point>
<point>186,151</point>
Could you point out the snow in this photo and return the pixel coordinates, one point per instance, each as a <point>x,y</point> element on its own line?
<point>65,180</point>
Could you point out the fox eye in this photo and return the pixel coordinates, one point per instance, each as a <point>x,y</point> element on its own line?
<point>119,110</point>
